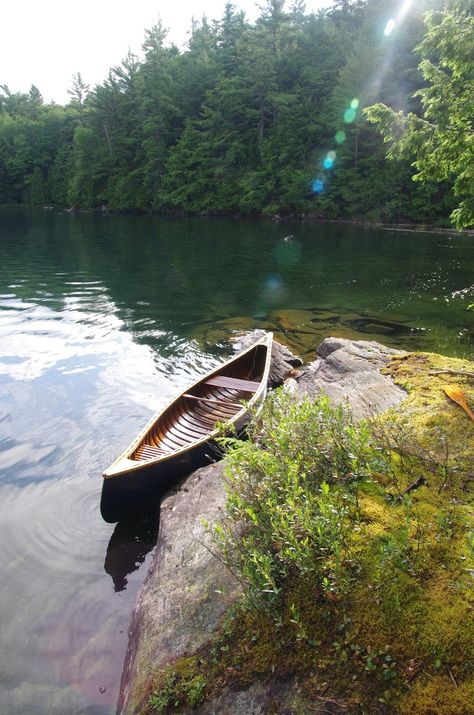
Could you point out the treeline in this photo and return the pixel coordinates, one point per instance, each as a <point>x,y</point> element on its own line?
<point>249,118</point>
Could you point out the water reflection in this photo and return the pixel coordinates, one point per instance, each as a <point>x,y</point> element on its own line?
<point>129,544</point>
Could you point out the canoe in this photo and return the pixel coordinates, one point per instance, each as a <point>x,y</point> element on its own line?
<point>181,437</point>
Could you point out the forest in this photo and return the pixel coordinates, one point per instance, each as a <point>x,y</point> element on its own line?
<point>264,118</point>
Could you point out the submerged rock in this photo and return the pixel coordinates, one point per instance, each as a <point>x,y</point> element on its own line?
<point>178,608</point>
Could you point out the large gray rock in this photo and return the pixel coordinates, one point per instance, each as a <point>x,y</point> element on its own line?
<point>349,370</point>
<point>178,609</point>
<point>273,695</point>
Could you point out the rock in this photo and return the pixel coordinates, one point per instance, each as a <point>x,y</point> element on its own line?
<point>294,320</point>
<point>274,695</point>
<point>350,370</point>
<point>219,330</point>
<point>177,609</point>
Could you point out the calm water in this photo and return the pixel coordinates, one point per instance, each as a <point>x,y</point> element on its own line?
<point>101,320</point>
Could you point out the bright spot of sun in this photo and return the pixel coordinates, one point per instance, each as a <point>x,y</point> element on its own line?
<point>329,160</point>
<point>340,137</point>
<point>389,27</point>
<point>355,103</point>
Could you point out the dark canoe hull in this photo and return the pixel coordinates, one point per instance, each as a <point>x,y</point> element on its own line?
<point>123,495</point>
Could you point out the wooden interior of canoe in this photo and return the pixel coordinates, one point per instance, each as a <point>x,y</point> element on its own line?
<point>195,414</point>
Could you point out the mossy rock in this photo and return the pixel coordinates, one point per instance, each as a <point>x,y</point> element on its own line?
<point>400,638</point>
<point>294,320</point>
<point>427,407</point>
<point>221,331</point>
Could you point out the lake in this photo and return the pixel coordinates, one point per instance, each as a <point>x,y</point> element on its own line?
<point>102,319</point>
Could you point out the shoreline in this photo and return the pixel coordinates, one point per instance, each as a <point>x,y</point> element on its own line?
<point>277,218</point>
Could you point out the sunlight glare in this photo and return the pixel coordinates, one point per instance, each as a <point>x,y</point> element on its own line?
<point>404,9</point>
<point>389,27</point>
<point>328,162</point>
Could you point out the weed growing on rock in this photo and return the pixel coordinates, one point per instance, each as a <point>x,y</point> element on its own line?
<point>177,687</point>
<point>346,543</point>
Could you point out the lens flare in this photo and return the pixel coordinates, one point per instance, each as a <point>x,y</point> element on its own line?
<point>349,115</point>
<point>389,27</point>
<point>354,104</point>
<point>273,292</point>
<point>340,137</point>
<point>329,159</point>
<point>317,186</point>
<point>273,283</point>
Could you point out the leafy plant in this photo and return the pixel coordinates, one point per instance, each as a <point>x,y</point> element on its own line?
<point>292,500</point>
<point>440,142</point>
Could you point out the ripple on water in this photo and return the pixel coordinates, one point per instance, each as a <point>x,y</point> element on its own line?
<point>49,524</point>
<point>52,547</point>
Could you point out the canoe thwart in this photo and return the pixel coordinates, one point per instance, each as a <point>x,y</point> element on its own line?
<point>234,383</point>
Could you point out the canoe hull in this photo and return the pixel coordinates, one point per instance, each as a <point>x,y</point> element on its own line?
<point>122,495</point>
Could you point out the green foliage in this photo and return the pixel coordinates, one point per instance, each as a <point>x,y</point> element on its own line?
<point>356,574</point>
<point>293,500</point>
<point>441,141</point>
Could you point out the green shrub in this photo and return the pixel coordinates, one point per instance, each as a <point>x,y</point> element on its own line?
<point>293,499</point>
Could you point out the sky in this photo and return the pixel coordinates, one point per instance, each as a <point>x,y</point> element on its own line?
<point>46,42</point>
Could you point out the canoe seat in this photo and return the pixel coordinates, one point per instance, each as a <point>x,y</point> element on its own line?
<point>147,451</point>
<point>234,383</point>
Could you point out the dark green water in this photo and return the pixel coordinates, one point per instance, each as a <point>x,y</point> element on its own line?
<point>101,320</point>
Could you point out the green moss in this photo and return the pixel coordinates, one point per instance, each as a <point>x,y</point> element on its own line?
<point>439,695</point>
<point>436,419</point>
